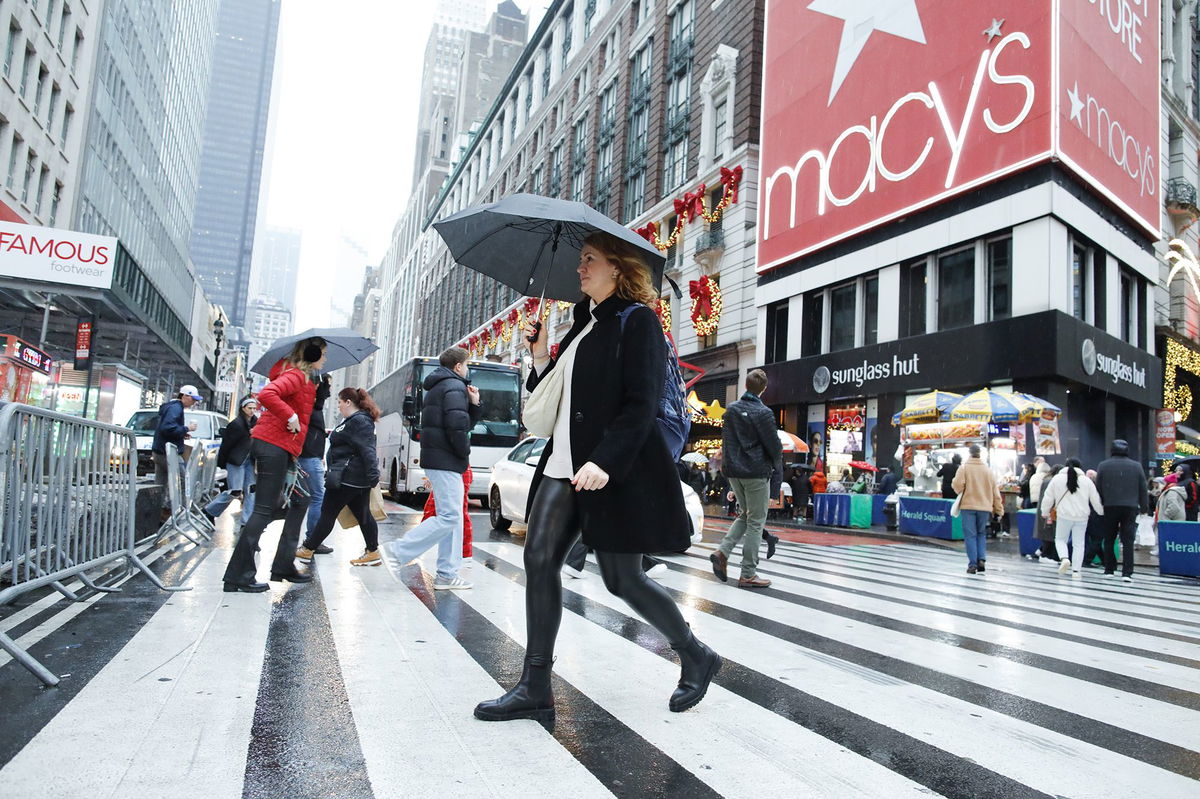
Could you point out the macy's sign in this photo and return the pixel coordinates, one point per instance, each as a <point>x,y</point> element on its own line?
<point>952,131</point>
<point>56,256</point>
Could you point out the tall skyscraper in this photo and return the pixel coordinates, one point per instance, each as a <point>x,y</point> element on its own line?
<point>436,123</point>
<point>231,167</point>
<point>269,320</point>
<point>277,264</point>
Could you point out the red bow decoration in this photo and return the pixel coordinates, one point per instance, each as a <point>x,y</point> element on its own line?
<point>513,316</point>
<point>497,327</point>
<point>649,232</point>
<point>485,337</point>
<point>681,206</point>
<point>698,290</point>
<point>730,178</point>
<point>554,350</point>
<point>692,204</point>
<point>474,343</point>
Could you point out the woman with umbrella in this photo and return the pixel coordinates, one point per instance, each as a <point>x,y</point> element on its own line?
<point>608,472</point>
<point>278,438</point>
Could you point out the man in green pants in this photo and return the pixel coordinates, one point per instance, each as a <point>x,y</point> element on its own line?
<point>752,455</point>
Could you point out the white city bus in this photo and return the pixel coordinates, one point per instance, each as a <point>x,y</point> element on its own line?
<point>400,397</point>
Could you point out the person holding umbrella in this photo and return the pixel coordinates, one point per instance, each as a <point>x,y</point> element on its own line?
<point>607,471</point>
<point>278,439</point>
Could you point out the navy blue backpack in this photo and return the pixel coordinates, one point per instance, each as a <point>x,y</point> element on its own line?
<point>674,415</point>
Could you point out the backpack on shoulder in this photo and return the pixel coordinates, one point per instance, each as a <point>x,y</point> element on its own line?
<point>674,417</point>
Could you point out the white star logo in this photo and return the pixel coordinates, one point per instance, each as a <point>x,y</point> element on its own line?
<point>862,18</point>
<point>1076,104</point>
<point>994,30</point>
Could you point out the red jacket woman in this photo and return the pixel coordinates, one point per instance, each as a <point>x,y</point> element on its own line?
<point>290,394</point>
<point>276,442</point>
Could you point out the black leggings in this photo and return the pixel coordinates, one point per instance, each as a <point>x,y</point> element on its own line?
<point>553,528</point>
<point>358,500</point>
<point>271,465</point>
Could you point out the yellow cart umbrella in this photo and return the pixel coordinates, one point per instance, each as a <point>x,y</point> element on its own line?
<point>926,408</point>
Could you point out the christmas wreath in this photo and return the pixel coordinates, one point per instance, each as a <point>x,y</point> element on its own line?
<point>706,305</point>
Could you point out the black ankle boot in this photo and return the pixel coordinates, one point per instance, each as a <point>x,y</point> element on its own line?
<point>700,665</point>
<point>531,698</point>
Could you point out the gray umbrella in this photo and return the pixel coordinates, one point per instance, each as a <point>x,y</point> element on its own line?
<point>346,348</point>
<point>531,243</point>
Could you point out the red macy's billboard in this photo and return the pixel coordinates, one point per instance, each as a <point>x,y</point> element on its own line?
<point>873,109</point>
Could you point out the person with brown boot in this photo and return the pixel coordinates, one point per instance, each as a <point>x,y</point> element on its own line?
<point>753,460</point>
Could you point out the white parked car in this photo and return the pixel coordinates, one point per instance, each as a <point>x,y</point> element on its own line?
<point>508,489</point>
<point>209,427</point>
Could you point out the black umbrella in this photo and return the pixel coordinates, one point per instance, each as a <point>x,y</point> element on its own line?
<point>531,243</point>
<point>346,348</point>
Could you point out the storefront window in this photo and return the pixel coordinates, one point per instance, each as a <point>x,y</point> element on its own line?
<point>1079,268</point>
<point>775,347</point>
<point>999,255</point>
<point>814,313</point>
<point>871,310</point>
<point>842,319</point>
<point>1128,301</point>
<point>956,289</point>
<point>912,295</point>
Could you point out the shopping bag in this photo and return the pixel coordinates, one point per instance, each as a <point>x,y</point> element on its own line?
<point>956,508</point>
<point>377,504</point>
<point>1146,537</point>
<point>346,519</point>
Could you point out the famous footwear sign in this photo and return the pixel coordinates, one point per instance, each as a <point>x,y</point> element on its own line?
<point>873,109</point>
<point>56,256</point>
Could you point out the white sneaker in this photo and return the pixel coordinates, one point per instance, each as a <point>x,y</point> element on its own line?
<point>451,584</point>
<point>1076,574</point>
<point>1127,579</point>
<point>466,564</point>
<point>570,571</point>
<point>657,570</point>
<point>1063,566</point>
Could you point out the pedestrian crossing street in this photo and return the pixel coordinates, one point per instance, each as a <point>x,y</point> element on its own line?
<point>863,671</point>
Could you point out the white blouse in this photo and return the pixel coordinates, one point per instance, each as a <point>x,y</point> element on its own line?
<point>559,464</point>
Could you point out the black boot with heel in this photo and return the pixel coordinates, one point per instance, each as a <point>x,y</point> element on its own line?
<point>531,698</point>
<point>700,664</point>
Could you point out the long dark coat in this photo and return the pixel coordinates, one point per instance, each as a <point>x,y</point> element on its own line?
<point>615,391</point>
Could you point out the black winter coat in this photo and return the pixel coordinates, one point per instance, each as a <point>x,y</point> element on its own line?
<point>1122,483</point>
<point>750,441</point>
<point>314,439</point>
<point>353,443</point>
<point>447,417</point>
<point>235,442</point>
<point>616,387</point>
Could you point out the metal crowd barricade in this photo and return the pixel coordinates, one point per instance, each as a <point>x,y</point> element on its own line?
<point>68,493</point>
<point>182,484</point>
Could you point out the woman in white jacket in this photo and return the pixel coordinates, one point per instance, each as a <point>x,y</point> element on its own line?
<point>1071,496</point>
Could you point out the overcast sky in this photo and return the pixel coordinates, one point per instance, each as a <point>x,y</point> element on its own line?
<point>339,157</point>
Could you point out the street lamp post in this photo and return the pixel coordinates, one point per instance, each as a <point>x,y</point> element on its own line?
<point>218,329</point>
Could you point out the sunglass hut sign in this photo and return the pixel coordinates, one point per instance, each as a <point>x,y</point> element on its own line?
<point>872,110</point>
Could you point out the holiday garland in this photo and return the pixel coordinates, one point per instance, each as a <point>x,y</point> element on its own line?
<point>705,293</point>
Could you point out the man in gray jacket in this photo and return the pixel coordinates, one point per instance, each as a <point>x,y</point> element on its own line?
<point>752,451</point>
<point>1122,486</point>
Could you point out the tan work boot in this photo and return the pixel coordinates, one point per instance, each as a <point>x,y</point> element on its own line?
<point>304,555</point>
<point>368,558</point>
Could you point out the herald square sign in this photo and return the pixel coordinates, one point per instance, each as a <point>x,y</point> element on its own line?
<point>873,109</point>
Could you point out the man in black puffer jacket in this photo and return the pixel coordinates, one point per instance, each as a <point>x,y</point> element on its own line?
<point>753,459</point>
<point>1122,486</point>
<point>451,409</point>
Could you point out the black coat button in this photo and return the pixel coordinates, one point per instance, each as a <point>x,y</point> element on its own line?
<point>578,416</point>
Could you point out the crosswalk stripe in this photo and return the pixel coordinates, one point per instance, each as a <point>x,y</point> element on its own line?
<point>1147,583</point>
<point>412,688</point>
<point>1170,683</point>
<point>1037,579</point>
<point>169,716</point>
<point>1060,605</point>
<point>1017,683</point>
<point>723,740</point>
<point>910,592</point>
<point>996,741</point>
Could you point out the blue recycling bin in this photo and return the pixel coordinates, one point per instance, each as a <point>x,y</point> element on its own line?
<point>831,510</point>
<point>929,517</point>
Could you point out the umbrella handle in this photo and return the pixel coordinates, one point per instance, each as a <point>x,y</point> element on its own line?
<point>534,337</point>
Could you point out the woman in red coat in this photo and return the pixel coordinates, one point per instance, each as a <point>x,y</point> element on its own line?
<point>287,403</point>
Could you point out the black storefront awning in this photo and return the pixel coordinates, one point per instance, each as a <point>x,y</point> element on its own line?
<point>1046,345</point>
